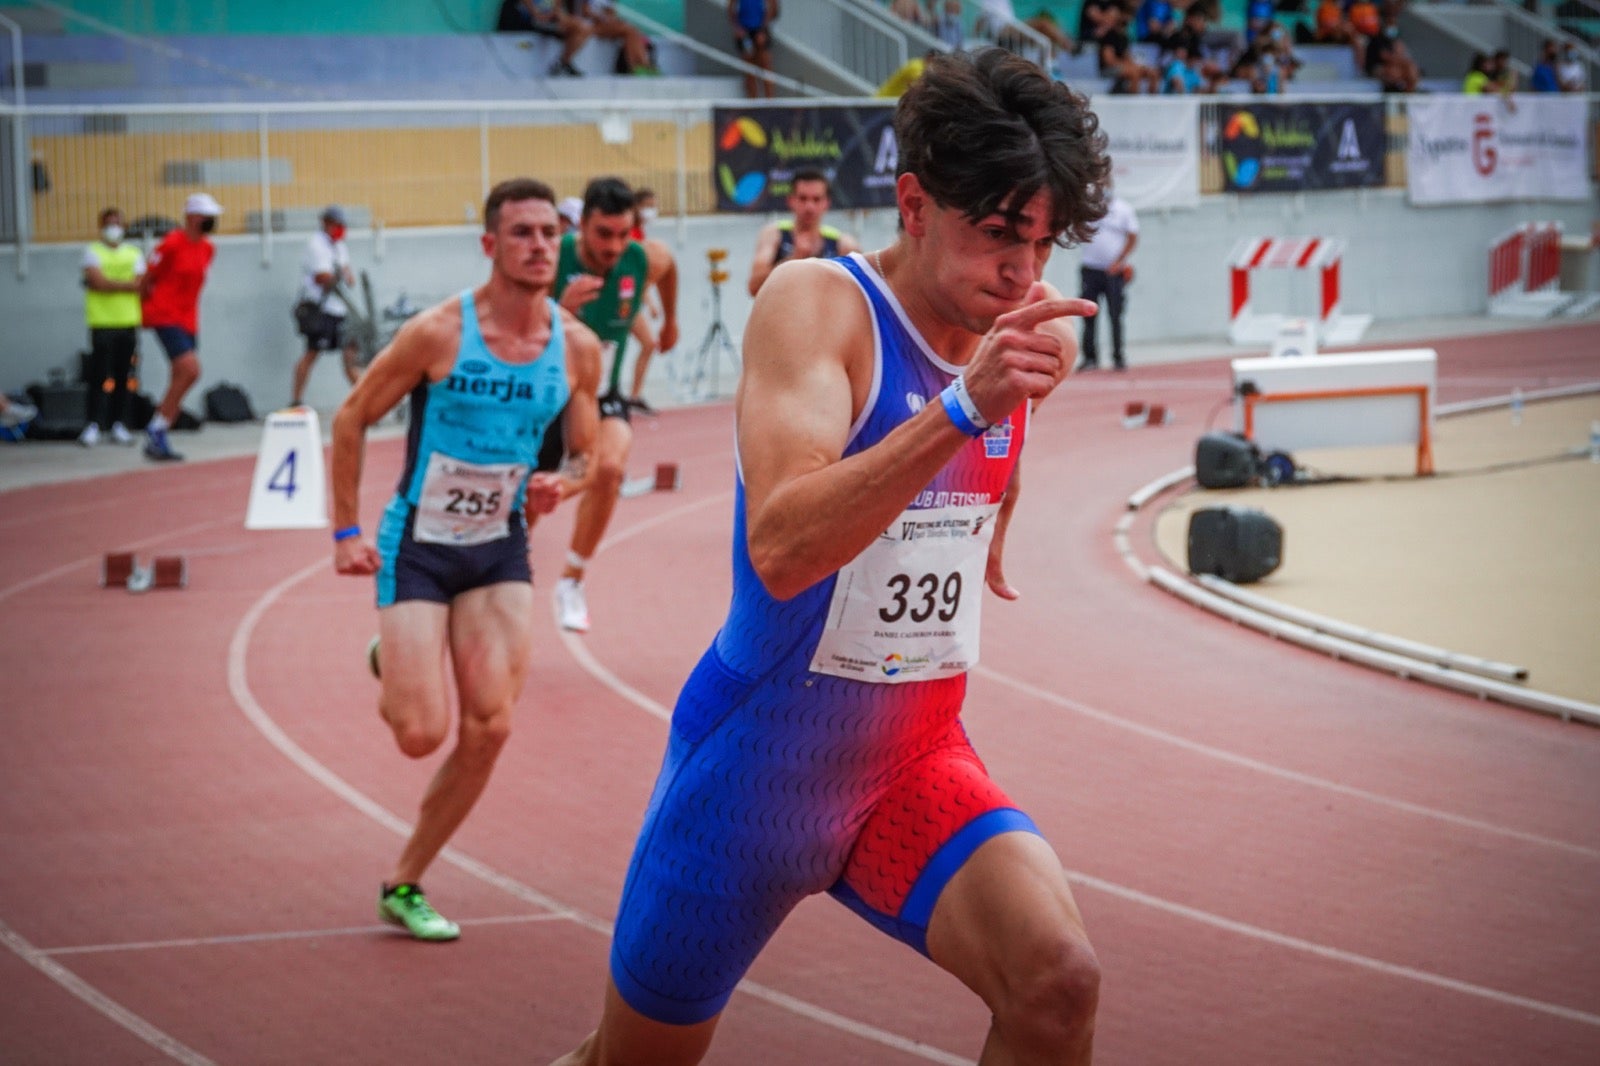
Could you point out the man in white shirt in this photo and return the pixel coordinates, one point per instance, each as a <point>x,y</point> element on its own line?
<point>1106,272</point>
<point>320,312</point>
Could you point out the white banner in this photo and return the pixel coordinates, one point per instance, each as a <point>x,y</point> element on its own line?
<point>1476,149</point>
<point>1155,149</point>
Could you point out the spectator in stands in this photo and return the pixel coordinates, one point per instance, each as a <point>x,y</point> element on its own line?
<point>1571,72</point>
<point>633,47</point>
<point>1364,18</point>
<point>1332,27</point>
<point>548,18</point>
<point>1191,35</point>
<point>998,21</point>
<point>752,37</point>
<point>171,309</point>
<point>1484,75</point>
<point>1156,22</point>
<point>1127,74</point>
<point>1095,18</point>
<point>1502,73</point>
<point>1477,79</point>
<point>914,12</point>
<point>1182,73</point>
<point>1545,79</point>
<point>325,276</point>
<point>1258,15</point>
<point>112,271</point>
<point>1389,60</point>
<point>947,26</point>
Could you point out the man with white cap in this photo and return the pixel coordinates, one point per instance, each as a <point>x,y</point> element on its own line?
<point>321,310</point>
<point>171,293</point>
<point>571,211</point>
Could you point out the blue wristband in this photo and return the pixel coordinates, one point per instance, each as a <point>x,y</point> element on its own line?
<point>346,533</point>
<point>952,407</point>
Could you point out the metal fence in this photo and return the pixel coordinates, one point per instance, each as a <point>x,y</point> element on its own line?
<point>273,166</point>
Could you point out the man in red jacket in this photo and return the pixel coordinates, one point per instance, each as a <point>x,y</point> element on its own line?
<point>171,293</point>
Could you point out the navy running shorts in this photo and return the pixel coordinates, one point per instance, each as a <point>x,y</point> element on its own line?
<point>412,570</point>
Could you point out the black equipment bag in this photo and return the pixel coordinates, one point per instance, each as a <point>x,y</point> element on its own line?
<point>228,402</point>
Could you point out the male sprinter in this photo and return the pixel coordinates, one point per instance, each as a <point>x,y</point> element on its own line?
<point>487,371</point>
<point>802,237</point>
<point>602,278</point>
<point>817,746</point>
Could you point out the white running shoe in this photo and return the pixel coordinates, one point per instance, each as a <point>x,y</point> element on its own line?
<point>120,434</point>
<point>572,610</point>
<point>90,435</point>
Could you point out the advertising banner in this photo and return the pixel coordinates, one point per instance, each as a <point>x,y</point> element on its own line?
<point>1155,149</point>
<point>1479,149</point>
<point>759,149</point>
<point>1271,147</point>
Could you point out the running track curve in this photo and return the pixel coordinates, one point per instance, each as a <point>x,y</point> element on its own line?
<point>1282,858</point>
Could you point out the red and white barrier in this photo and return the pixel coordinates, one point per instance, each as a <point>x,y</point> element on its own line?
<point>1525,272</point>
<point>1323,254</point>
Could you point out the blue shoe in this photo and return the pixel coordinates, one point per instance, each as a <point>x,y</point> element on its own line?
<point>157,447</point>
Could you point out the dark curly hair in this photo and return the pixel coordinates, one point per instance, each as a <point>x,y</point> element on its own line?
<point>985,131</point>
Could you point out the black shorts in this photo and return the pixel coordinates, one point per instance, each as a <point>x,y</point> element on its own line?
<point>553,449</point>
<point>323,332</point>
<point>438,573</point>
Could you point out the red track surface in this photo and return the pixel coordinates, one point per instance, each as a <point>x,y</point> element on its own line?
<point>1282,858</point>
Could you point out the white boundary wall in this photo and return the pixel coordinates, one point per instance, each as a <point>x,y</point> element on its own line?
<point>1400,263</point>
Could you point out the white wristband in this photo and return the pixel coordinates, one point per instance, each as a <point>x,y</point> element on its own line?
<point>964,398</point>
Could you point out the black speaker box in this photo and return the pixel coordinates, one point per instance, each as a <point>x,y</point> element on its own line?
<point>63,410</point>
<point>1238,544</point>
<point>1225,461</point>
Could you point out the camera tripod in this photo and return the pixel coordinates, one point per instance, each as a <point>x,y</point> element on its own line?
<point>691,381</point>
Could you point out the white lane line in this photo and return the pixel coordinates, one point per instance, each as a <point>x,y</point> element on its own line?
<point>1235,759</point>
<point>267,938</point>
<point>1309,947</point>
<point>98,1000</point>
<point>605,677</point>
<point>238,685</point>
<point>38,958</point>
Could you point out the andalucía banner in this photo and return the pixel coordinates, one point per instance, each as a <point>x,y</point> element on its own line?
<point>1294,147</point>
<point>759,149</point>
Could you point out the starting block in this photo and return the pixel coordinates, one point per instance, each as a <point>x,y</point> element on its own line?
<point>1137,413</point>
<point>665,479</point>
<point>123,569</point>
<point>116,568</point>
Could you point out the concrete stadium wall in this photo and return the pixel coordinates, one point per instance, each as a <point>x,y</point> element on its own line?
<point>1401,263</point>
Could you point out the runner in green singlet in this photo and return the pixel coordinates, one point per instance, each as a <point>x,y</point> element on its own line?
<point>601,277</point>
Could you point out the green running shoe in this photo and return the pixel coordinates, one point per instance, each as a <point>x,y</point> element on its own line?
<point>406,906</point>
<point>372,659</point>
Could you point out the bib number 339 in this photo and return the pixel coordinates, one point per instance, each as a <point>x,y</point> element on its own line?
<point>908,608</point>
<point>466,503</point>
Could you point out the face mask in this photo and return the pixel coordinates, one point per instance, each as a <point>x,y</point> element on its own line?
<point>647,215</point>
<point>207,224</point>
<point>111,234</point>
<point>336,232</point>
